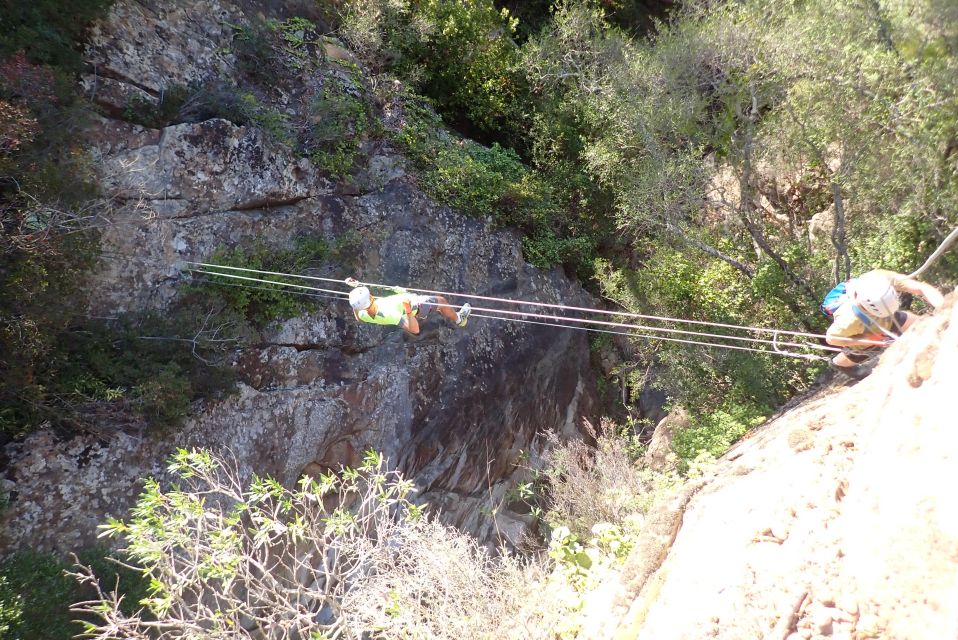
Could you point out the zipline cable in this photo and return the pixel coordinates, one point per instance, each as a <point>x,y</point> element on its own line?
<point>557,319</point>
<point>344,294</point>
<point>274,290</point>
<point>564,326</point>
<point>806,356</point>
<point>527,302</point>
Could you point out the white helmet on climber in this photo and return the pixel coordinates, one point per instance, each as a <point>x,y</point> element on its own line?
<point>875,295</point>
<point>359,298</point>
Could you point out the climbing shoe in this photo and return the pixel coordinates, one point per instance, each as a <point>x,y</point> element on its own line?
<point>858,372</point>
<point>462,317</point>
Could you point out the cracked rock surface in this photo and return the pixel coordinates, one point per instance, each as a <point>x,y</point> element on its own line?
<point>457,409</point>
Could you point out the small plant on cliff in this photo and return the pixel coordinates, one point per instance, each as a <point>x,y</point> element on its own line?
<point>342,120</point>
<point>460,54</point>
<point>263,303</point>
<point>605,483</point>
<point>271,51</point>
<point>491,182</point>
<point>49,30</point>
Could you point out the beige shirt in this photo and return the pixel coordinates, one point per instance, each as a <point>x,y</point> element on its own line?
<point>846,323</point>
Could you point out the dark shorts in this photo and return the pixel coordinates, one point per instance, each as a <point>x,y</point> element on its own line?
<point>861,354</point>
<point>425,305</point>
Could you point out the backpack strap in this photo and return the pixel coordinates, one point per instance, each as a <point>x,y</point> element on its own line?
<point>861,315</point>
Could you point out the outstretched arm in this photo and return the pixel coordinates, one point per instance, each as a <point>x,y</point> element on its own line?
<point>411,324</point>
<point>929,294</point>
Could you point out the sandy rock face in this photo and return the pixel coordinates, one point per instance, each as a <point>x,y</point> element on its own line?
<point>458,409</point>
<point>836,520</point>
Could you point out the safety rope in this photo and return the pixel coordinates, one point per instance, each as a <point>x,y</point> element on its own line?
<point>529,303</point>
<point>558,322</point>
<point>805,356</point>
<point>777,351</point>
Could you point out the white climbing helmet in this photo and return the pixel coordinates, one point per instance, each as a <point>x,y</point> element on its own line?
<point>875,295</point>
<point>359,298</point>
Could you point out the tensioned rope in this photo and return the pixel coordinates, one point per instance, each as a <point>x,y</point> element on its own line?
<point>342,295</point>
<point>558,320</point>
<point>531,303</point>
<point>806,356</point>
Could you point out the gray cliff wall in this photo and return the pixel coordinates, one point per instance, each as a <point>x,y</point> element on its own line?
<point>459,410</point>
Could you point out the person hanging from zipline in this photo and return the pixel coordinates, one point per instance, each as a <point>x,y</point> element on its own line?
<point>866,315</point>
<point>402,309</point>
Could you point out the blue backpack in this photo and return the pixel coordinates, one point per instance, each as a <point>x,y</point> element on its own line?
<point>837,297</point>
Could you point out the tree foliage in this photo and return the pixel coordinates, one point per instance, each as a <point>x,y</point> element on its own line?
<point>459,54</point>
<point>726,133</point>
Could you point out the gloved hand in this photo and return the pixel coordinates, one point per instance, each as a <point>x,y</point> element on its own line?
<point>407,306</point>
<point>352,282</point>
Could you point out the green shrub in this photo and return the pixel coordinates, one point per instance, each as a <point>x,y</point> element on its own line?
<point>163,112</point>
<point>36,594</point>
<point>601,483</point>
<point>196,103</point>
<point>714,433</point>
<point>151,364</point>
<point>271,52</point>
<point>342,120</point>
<point>165,397</point>
<point>492,182</point>
<point>459,54</point>
<point>48,30</point>
<point>262,303</point>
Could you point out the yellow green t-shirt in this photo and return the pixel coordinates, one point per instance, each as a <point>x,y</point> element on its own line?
<point>389,310</point>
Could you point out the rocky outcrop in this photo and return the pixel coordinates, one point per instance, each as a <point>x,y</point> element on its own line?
<point>836,519</point>
<point>456,409</point>
<point>659,455</point>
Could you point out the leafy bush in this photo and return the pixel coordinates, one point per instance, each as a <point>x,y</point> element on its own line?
<point>714,433</point>
<point>151,365</point>
<point>47,198</point>
<point>36,593</point>
<point>460,54</point>
<point>342,120</point>
<point>35,596</point>
<point>491,182</point>
<point>164,111</point>
<point>270,51</point>
<point>264,303</point>
<point>349,554</point>
<point>48,30</point>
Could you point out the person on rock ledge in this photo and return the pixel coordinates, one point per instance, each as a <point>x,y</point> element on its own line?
<point>402,308</point>
<point>870,313</point>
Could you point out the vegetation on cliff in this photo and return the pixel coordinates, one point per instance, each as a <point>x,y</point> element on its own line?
<point>728,166</point>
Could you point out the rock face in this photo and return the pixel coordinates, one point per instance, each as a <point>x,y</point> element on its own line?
<point>836,519</point>
<point>457,409</point>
